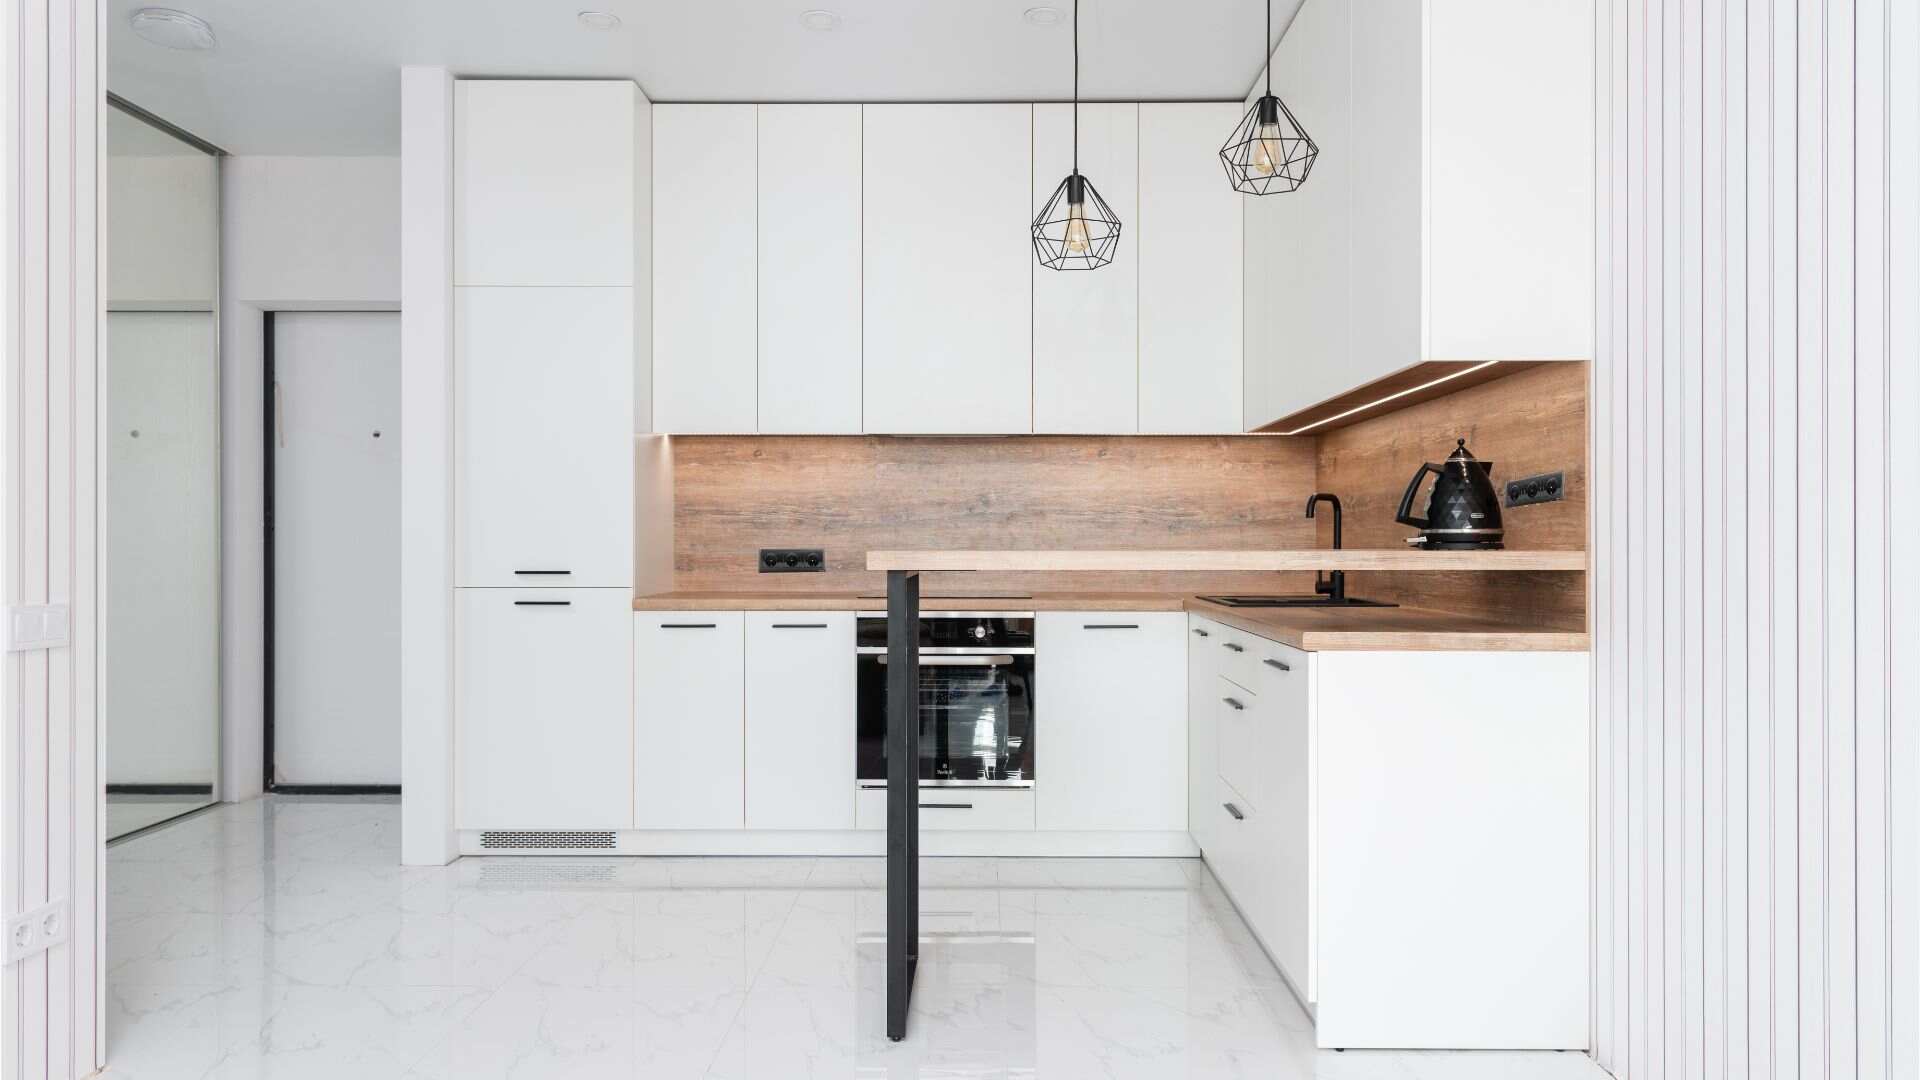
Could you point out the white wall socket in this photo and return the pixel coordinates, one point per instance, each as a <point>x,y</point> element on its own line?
<point>36,931</point>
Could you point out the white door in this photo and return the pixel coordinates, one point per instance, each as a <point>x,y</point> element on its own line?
<point>336,547</point>
<point>689,743</point>
<point>802,719</point>
<point>1115,702</point>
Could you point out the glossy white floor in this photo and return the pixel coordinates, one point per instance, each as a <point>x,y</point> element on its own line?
<point>280,939</point>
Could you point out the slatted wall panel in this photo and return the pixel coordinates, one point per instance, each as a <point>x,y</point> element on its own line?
<point>1754,421</point>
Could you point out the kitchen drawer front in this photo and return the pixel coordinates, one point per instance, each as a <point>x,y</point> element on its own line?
<point>957,809</point>
<point>543,712</point>
<point>1239,764</point>
<point>1238,653</point>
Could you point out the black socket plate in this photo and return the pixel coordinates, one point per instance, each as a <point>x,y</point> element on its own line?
<point>1544,488</point>
<point>793,560</point>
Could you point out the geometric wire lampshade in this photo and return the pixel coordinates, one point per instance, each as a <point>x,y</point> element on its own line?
<point>1076,229</point>
<point>1269,152</point>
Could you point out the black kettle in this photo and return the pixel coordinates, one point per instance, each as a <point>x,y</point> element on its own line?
<point>1463,510</point>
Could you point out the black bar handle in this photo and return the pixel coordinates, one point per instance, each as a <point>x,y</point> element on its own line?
<point>1235,811</point>
<point>1235,648</point>
<point>1201,632</point>
<point>1281,664</point>
<point>946,806</point>
<point>688,625</point>
<point>541,573</point>
<point>1237,704</point>
<point>1110,626</point>
<point>799,626</point>
<point>543,603</point>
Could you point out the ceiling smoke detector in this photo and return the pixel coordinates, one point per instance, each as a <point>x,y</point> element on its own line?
<point>1043,16</point>
<point>599,20</point>
<point>172,29</point>
<point>820,19</point>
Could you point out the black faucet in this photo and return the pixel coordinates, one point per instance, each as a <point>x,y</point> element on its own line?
<point>1333,585</point>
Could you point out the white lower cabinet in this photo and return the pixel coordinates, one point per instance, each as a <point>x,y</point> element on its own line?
<point>1111,709</point>
<point>800,719</point>
<point>957,809</point>
<point>543,714</point>
<point>688,720</point>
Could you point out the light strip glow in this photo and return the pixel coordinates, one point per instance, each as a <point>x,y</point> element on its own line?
<point>1482,366</point>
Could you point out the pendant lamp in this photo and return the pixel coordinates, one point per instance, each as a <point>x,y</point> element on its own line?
<point>1269,152</point>
<point>1076,229</point>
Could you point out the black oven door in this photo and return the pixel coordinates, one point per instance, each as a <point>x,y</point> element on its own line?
<point>976,719</point>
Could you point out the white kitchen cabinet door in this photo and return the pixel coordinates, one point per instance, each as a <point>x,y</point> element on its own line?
<point>1284,752</point>
<point>704,281</point>
<point>545,182</point>
<point>1190,273</point>
<point>1114,701</point>
<point>809,269</point>
<point>543,713</point>
<point>1205,819</point>
<point>801,720</point>
<point>948,269</point>
<point>1086,323</point>
<point>1239,741</point>
<point>543,427</point>
<point>688,721</point>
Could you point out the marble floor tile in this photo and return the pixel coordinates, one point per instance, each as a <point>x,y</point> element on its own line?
<point>281,939</point>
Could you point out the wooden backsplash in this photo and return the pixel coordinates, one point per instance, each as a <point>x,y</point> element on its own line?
<point>1534,421</point>
<point>736,495</point>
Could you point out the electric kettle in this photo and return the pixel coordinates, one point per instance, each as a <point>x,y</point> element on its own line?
<point>1463,510</point>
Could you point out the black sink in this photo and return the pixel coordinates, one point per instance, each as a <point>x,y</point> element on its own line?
<point>1295,600</point>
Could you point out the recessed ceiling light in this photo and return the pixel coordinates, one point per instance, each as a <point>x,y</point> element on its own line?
<point>599,20</point>
<point>820,19</point>
<point>1043,16</point>
<point>172,29</point>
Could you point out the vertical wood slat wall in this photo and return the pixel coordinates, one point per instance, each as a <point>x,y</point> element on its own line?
<point>1755,409</point>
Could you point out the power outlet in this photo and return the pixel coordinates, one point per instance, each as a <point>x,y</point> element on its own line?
<point>36,931</point>
<point>1544,488</point>
<point>792,560</point>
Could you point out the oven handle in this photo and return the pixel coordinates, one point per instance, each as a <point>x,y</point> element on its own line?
<point>961,661</point>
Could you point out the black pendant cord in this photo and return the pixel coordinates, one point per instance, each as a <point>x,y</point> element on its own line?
<point>1076,85</point>
<point>1266,45</point>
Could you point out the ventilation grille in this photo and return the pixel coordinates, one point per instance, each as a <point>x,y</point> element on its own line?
<point>547,841</point>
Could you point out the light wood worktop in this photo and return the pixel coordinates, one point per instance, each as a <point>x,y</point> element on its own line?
<point>995,600</point>
<point>1223,561</point>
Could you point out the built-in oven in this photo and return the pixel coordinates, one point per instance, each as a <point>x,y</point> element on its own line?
<point>976,699</point>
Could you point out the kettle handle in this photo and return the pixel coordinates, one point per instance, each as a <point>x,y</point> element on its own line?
<point>1405,516</point>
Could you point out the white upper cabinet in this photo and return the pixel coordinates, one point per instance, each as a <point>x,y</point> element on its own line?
<point>1115,702</point>
<point>948,269</point>
<point>543,426</point>
<point>1449,215</point>
<point>1086,325</point>
<point>809,269</point>
<point>704,295</point>
<point>1189,249</point>
<point>548,182</point>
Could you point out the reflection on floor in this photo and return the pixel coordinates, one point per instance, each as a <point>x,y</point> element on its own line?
<point>279,938</point>
<point>129,812</point>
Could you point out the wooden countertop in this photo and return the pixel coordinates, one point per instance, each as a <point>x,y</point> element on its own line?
<point>1306,559</point>
<point>1311,629</point>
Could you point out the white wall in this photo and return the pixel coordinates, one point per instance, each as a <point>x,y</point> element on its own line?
<point>1756,617</point>
<point>300,233</point>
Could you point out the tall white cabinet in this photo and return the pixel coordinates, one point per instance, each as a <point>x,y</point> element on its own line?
<point>948,269</point>
<point>1449,216</point>
<point>552,267</point>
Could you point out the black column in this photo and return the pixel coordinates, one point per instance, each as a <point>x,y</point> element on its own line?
<point>903,795</point>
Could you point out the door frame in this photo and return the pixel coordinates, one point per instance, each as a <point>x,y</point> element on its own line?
<point>269,431</point>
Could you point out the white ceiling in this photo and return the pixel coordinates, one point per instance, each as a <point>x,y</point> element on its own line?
<point>320,76</point>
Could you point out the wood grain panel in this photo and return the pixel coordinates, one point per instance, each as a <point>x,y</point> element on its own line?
<point>1391,393</point>
<point>1532,421</point>
<point>734,496</point>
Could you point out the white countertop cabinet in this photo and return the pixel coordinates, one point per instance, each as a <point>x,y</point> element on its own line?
<point>1407,833</point>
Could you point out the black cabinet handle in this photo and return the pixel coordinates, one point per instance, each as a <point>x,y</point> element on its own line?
<point>541,573</point>
<point>543,603</point>
<point>1110,626</point>
<point>946,806</point>
<point>687,625</point>
<point>1235,811</point>
<point>1235,648</point>
<point>799,626</point>
<point>1281,664</point>
<point>1237,705</point>
<point>1201,632</point>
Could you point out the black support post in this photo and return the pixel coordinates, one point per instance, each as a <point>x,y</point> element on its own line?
<point>903,795</point>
